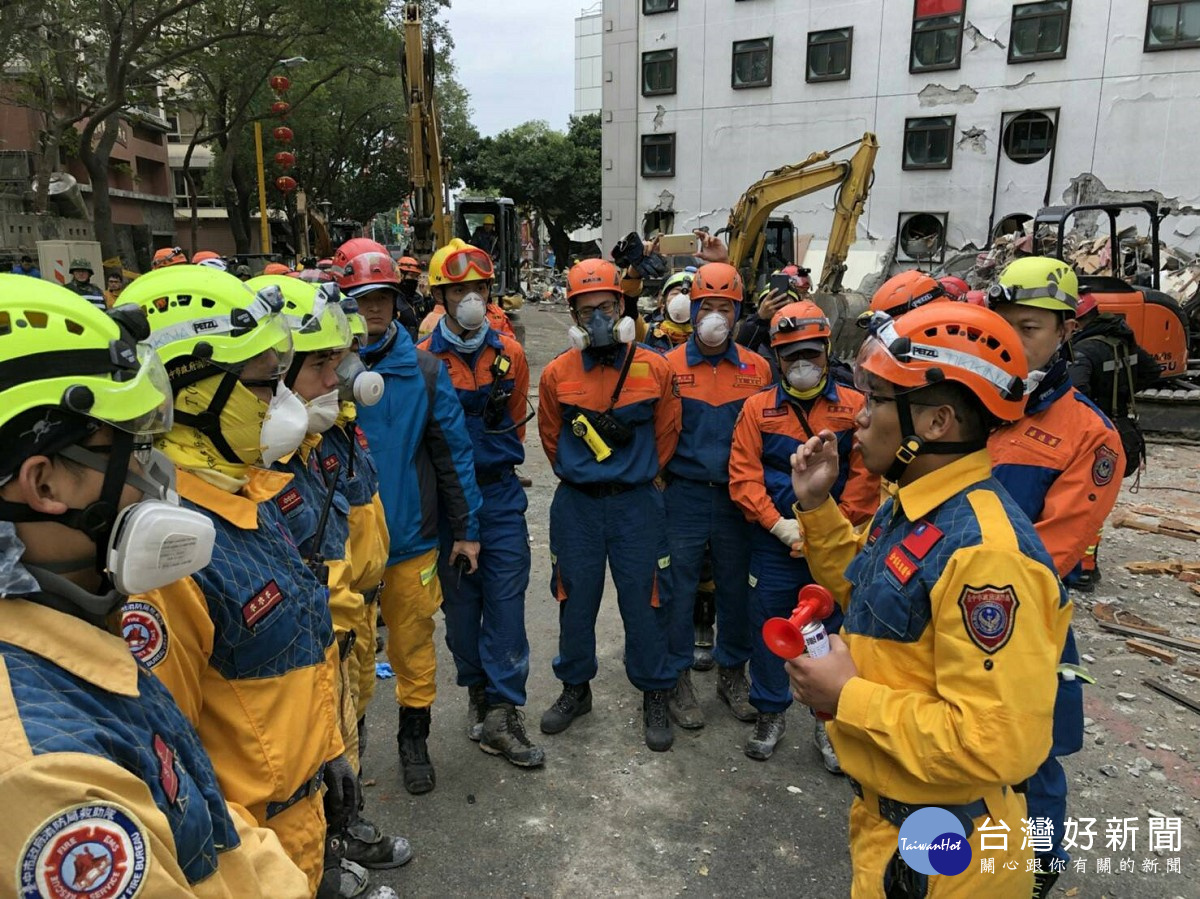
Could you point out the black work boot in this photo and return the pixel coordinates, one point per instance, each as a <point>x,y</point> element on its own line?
<point>476,710</point>
<point>702,620</point>
<point>414,754</point>
<point>368,846</point>
<point>575,700</point>
<point>685,710</point>
<point>1043,882</point>
<point>659,735</point>
<point>768,731</point>
<point>734,689</point>
<point>504,734</point>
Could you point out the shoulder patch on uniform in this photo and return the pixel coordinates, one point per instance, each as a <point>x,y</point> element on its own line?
<point>639,369</point>
<point>145,632</point>
<point>1104,466</point>
<point>900,565</point>
<point>774,411</point>
<point>91,851</point>
<point>921,539</point>
<point>1035,433</point>
<point>261,603</point>
<point>990,614</point>
<point>168,777</point>
<point>288,500</point>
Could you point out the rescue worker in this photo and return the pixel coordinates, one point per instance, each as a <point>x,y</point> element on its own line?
<point>165,256</point>
<point>497,319</point>
<point>276,268</point>
<point>26,266</point>
<point>713,377</point>
<point>210,258</point>
<point>955,288</point>
<point>672,323</point>
<point>941,693</point>
<point>114,283</point>
<point>238,641</point>
<point>772,424</point>
<point>81,283</point>
<point>375,275</point>
<point>485,611</point>
<point>609,421</point>
<point>95,746</point>
<point>410,273</point>
<point>903,293</point>
<point>485,236</point>
<point>426,470</point>
<point>1062,462</point>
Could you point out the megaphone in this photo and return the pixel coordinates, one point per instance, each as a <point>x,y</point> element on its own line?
<point>803,631</point>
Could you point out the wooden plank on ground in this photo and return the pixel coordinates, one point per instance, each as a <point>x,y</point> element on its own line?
<point>1141,647</point>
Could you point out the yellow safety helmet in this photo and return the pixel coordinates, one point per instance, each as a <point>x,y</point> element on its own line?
<point>459,261</point>
<point>1041,281</point>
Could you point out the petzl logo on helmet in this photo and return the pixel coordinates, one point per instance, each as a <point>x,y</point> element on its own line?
<point>933,841</point>
<point>989,613</point>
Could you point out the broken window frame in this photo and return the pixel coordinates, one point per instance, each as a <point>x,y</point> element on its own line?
<point>937,25</point>
<point>904,217</point>
<point>655,142</point>
<point>924,125</point>
<point>1063,14</point>
<point>671,59</point>
<point>1175,44</point>
<point>662,6</point>
<point>742,49</point>
<point>1027,119</point>
<point>821,40</point>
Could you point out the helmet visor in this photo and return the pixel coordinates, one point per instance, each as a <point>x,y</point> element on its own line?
<point>141,403</point>
<point>459,264</point>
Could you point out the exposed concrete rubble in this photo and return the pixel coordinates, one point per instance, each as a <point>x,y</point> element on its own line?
<point>977,37</point>
<point>939,95</point>
<point>973,139</point>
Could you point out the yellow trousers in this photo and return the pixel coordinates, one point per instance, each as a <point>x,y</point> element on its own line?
<point>874,840</point>
<point>362,661</point>
<point>301,831</point>
<point>410,597</point>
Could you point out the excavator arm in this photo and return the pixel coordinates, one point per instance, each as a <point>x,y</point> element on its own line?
<point>426,166</point>
<point>747,222</point>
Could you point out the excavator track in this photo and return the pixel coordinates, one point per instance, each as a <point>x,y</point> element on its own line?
<point>1173,407</point>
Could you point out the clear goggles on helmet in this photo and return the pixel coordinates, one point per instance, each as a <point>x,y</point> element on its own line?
<point>327,318</point>
<point>459,264</point>
<point>136,386</point>
<point>794,325</point>
<point>368,265</point>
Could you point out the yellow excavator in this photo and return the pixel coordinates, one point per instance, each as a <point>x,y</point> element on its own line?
<point>747,227</point>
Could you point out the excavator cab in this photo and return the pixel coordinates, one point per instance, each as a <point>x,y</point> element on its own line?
<point>1131,286</point>
<point>491,224</point>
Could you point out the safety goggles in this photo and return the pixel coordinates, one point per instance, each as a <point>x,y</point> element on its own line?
<point>795,325</point>
<point>459,264</point>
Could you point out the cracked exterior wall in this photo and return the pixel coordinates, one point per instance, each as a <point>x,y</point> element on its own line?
<point>1124,116</point>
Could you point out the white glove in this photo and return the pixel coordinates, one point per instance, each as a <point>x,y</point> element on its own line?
<point>787,531</point>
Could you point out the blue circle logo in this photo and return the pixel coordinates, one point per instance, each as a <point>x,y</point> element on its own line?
<point>933,841</point>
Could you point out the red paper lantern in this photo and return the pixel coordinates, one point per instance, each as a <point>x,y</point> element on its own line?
<point>284,159</point>
<point>283,134</point>
<point>285,183</point>
<point>280,83</point>
<point>280,107</point>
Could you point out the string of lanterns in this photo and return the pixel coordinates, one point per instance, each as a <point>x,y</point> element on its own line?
<point>285,159</point>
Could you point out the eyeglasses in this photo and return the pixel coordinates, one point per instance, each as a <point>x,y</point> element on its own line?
<point>609,308</point>
<point>461,263</point>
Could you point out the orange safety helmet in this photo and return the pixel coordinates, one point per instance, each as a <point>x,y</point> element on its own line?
<point>168,256</point>
<point>801,322</point>
<point>955,288</point>
<point>200,255</point>
<point>717,279</point>
<point>592,276</point>
<point>276,268</point>
<point>905,292</point>
<point>969,345</point>
<point>408,265</point>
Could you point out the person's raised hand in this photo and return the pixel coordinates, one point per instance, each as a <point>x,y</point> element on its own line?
<point>815,467</point>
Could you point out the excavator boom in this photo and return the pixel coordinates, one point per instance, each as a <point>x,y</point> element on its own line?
<point>426,167</point>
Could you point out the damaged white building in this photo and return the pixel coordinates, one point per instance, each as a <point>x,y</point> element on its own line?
<point>985,111</point>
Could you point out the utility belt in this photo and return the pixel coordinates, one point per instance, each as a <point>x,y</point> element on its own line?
<point>487,478</point>
<point>599,491</point>
<point>895,812</point>
<point>670,478</point>
<point>309,788</point>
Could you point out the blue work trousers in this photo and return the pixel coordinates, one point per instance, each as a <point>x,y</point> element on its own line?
<point>485,611</point>
<point>1046,796</point>
<point>700,515</point>
<point>775,582</point>
<point>628,531</point>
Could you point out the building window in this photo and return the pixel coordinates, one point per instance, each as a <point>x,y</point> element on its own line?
<point>658,155</point>
<point>921,237</point>
<point>658,73</point>
<point>650,7</point>
<point>1029,137</point>
<point>829,54</point>
<point>929,143</point>
<point>752,63</point>
<point>937,35</point>
<point>1039,31</point>
<point>1172,26</point>
<point>203,201</point>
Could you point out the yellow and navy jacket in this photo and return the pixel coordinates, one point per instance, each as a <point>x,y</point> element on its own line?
<point>711,391</point>
<point>1063,464</point>
<point>499,445</point>
<point>246,646</point>
<point>771,426</point>
<point>955,620</point>
<point>574,381</point>
<point>105,786</point>
<point>368,548</point>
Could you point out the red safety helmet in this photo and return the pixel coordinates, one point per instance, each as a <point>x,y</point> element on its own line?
<point>324,264</point>
<point>800,322</point>
<point>1087,303</point>
<point>955,288</point>
<point>353,247</point>
<point>976,298</point>
<point>592,276</point>
<point>361,265</point>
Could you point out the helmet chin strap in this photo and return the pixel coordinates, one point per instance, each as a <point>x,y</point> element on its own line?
<point>208,422</point>
<point>913,445</point>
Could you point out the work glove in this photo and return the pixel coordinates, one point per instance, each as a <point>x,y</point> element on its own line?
<point>341,793</point>
<point>787,531</point>
<point>630,251</point>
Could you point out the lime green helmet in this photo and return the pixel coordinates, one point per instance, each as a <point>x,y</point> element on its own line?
<point>58,353</point>
<point>1041,281</point>
<point>312,311</point>
<point>202,318</point>
<point>679,279</point>
<point>358,324</point>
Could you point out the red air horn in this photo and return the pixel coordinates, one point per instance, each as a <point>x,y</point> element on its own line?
<point>803,631</point>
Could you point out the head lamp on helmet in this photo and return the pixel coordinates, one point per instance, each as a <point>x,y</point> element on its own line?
<point>797,323</point>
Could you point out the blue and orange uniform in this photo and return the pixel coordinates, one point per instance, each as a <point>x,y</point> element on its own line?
<point>610,510</point>
<point>700,512</point>
<point>772,424</point>
<point>1062,463</point>
<point>485,611</point>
